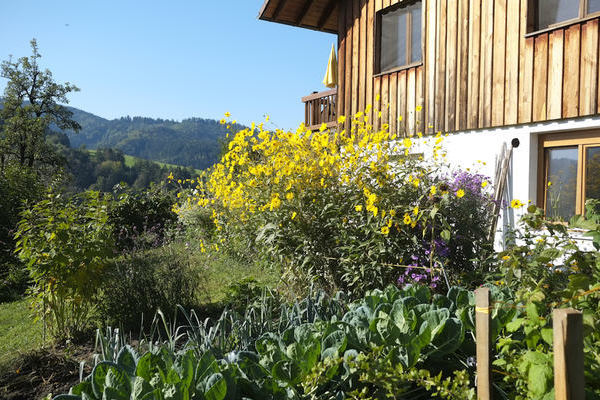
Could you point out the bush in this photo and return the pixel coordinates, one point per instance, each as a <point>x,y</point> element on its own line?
<point>142,220</point>
<point>349,210</point>
<point>137,285</point>
<point>16,187</point>
<point>65,244</point>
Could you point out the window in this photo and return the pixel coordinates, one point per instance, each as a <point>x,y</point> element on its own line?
<point>399,36</point>
<point>570,166</point>
<point>547,13</point>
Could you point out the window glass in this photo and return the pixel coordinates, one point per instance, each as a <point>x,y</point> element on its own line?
<point>550,12</point>
<point>393,39</point>
<point>561,182</point>
<point>592,173</point>
<point>415,42</point>
<point>593,6</point>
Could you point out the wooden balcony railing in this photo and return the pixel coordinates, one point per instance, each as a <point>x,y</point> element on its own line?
<point>319,108</point>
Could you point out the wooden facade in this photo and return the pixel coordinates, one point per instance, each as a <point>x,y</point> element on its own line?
<point>481,68</point>
<point>481,65</point>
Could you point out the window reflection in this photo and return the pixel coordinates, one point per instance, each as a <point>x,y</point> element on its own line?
<point>561,182</point>
<point>550,12</point>
<point>592,173</point>
<point>593,6</point>
<point>400,37</point>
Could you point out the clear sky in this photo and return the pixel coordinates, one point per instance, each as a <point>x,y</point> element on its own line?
<point>171,59</point>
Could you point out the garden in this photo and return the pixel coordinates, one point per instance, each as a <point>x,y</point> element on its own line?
<point>306,265</point>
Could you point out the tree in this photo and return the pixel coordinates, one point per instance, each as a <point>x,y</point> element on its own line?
<point>30,107</point>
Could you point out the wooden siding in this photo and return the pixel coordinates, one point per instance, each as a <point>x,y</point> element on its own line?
<point>480,68</point>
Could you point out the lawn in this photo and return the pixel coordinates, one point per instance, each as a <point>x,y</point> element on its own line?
<point>19,334</point>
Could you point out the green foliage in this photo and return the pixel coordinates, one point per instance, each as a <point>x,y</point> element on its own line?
<point>65,244</point>
<point>106,168</point>
<point>193,142</point>
<point>142,220</point>
<point>313,349</point>
<point>546,269</point>
<point>136,285</point>
<point>30,106</point>
<point>17,186</point>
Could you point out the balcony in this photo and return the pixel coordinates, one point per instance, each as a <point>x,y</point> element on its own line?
<point>320,108</point>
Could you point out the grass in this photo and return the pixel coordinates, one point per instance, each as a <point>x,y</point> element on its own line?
<point>219,270</point>
<point>19,334</point>
<point>131,160</point>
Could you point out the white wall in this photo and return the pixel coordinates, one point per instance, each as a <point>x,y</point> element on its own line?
<point>471,149</point>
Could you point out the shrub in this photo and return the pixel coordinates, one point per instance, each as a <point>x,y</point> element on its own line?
<point>137,285</point>
<point>142,220</point>
<point>347,209</point>
<point>65,244</point>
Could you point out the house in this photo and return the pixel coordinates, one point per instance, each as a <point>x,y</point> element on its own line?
<point>485,71</point>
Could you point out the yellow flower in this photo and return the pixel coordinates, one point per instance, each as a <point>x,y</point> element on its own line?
<point>267,118</point>
<point>506,258</point>
<point>341,119</point>
<point>460,193</point>
<point>358,208</point>
<point>516,204</point>
<point>227,114</point>
<point>416,210</point>
<point>407,219</point>
<point>385,230</point>
<point>170,177</point>
<point>222,122</point>
<point>294,215</point>
<point>323,127</point>
<point>289,195</point>
<point>419,108</point>
<point>433,190</point>
<point>549,183</point>
<point>484,184</point>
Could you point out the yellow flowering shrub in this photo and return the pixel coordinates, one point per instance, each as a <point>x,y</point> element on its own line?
<point>345,208</point>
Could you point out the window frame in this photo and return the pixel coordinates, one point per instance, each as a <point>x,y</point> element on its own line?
<point>581,139</point>
<point>532,10</point>
<point>378,39</point>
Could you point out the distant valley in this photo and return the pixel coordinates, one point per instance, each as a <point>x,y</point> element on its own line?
<point>194,142</point>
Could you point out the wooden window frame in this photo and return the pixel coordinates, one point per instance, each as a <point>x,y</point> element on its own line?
<point>409,23</point>
<point>581,139</point>
<point>532,10</point>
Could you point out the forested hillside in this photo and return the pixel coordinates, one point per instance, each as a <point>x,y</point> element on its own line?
<point>193,142</point>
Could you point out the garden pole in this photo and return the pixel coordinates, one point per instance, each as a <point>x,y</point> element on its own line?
<point>483,340</point>
<point>569,380</point>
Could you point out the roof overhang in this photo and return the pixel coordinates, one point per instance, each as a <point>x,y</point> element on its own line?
<point>319,15</point>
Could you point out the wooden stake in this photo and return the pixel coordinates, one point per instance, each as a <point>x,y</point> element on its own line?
<point>483,339</point>
<point>569,380</point>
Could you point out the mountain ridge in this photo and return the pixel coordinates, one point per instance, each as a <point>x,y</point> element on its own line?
<point>194,142</point>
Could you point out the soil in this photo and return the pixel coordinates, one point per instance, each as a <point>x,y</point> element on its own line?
<point>45,371</point>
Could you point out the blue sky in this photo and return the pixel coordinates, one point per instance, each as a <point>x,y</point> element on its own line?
<point>170,59</point>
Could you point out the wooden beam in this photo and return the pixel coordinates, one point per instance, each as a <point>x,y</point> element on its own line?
<point>326,13</point>
<point>278,9</point>
<point>303,11</point>
<point>483,339</point>
<point>569,380</point>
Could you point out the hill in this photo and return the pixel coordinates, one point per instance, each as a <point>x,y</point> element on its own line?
<point>194,142</point>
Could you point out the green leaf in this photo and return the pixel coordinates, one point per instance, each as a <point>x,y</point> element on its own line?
<point>334,345</point>
<point>216,387</point>
<point>126,359</point>
<point>287,371</point>
<point>445,234</point>
<point>514,325</point>
<point>99,374</point>
<point>140,388</point>
<point>118,380</point>
<point>548,335</point>
<point>538,380</point>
